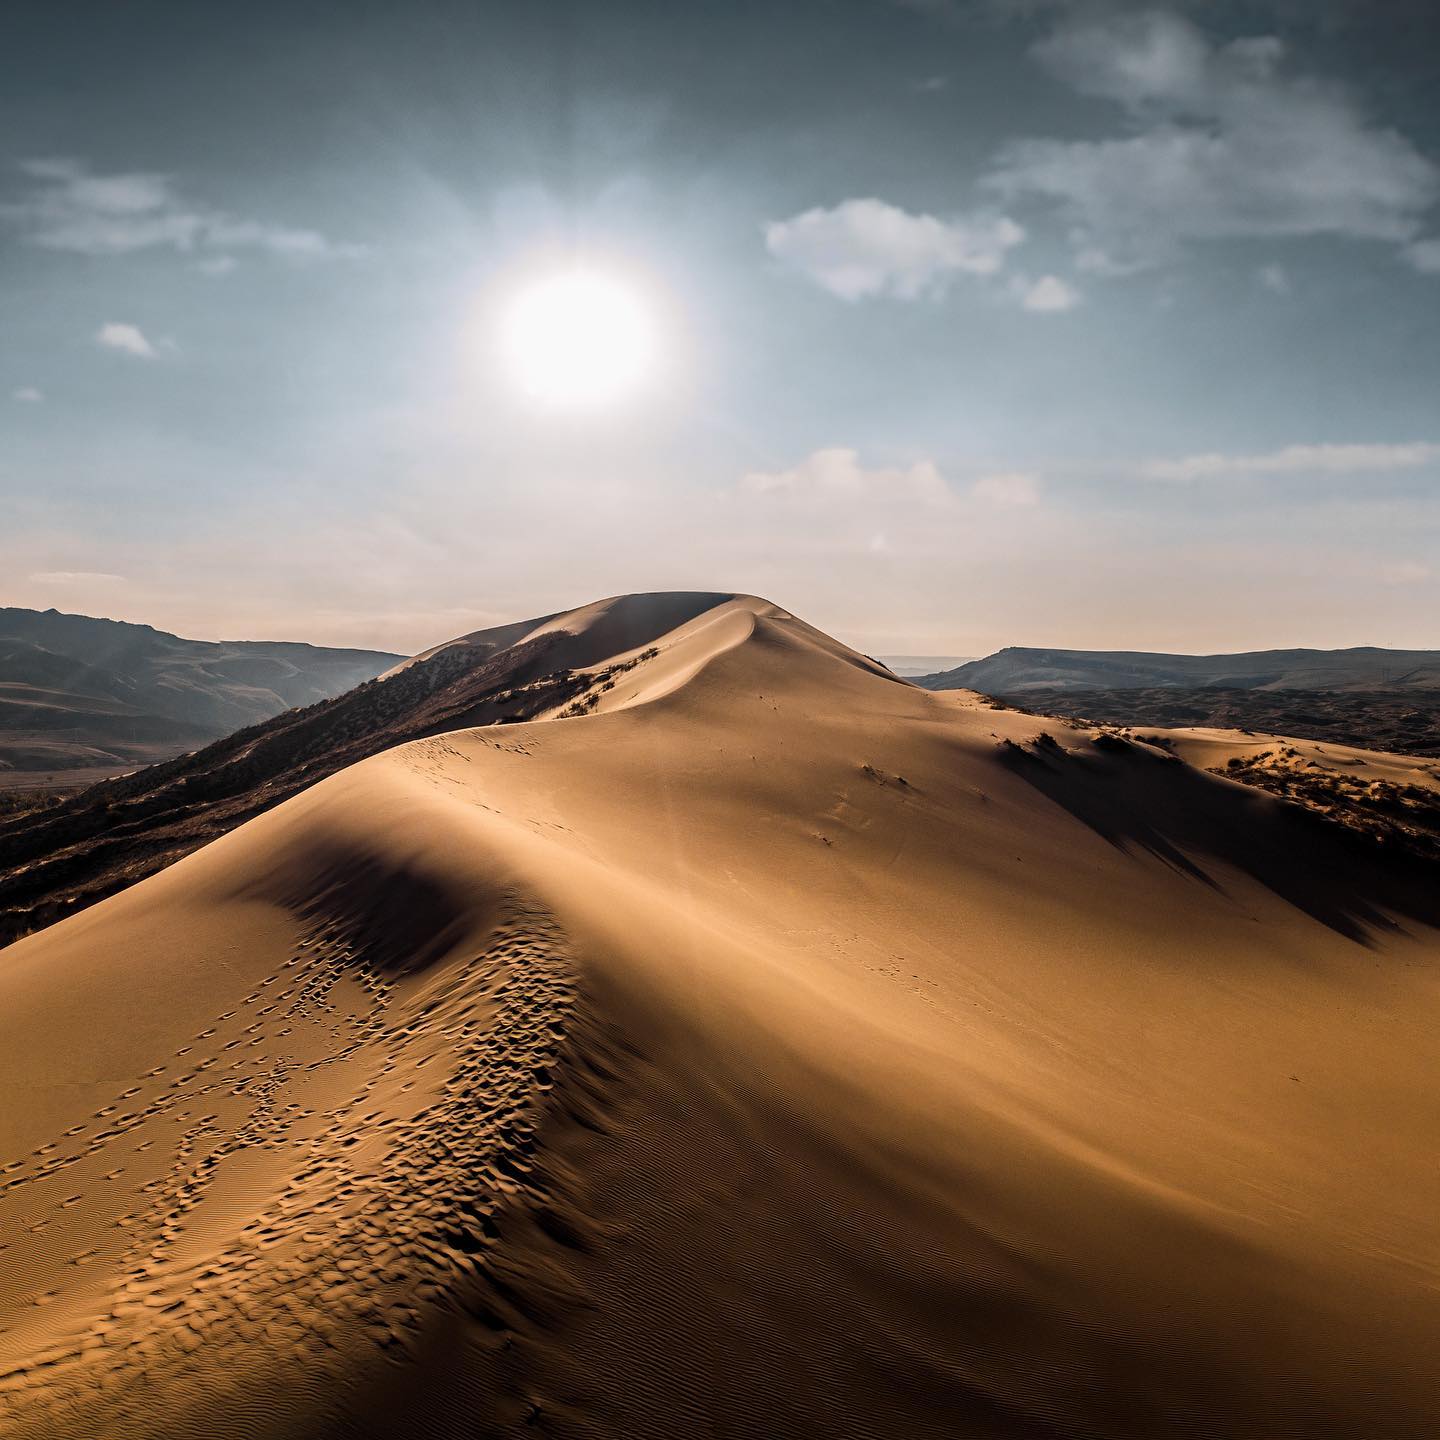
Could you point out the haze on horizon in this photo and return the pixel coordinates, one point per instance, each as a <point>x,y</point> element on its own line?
<point>975,324</point>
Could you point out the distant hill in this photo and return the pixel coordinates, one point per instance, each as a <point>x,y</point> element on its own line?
<point>85,694</point>
<point>1019,669</point>
<point>912,665</point>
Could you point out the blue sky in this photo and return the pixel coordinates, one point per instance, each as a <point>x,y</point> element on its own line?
<point>981,323</point>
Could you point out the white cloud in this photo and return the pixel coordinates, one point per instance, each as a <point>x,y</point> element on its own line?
<point>1299,460</point>
<point>1049,295</point>
<point>73,577</point>
<point>223,232</point>
<point>865,247</point>
<point>129,339</point>
<point>217,265</point>
<point>1093,259</point>
<point>1274,277</point>
<point>1218,141</point>
<point>68,208</point>
<point>1136,60</point>
<point>28,395</point>
<point>836,473</point>
<point>1008,490</point>
<point>1424,255</point>
<point>834,479</point>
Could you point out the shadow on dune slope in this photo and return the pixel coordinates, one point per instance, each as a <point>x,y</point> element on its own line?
<point>1137,797</point>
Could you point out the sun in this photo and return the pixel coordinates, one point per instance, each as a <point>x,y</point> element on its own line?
<point>579,339</point>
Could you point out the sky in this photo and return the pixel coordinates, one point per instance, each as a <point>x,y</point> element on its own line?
<point>976,322</point>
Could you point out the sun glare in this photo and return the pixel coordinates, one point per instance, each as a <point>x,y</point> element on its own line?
<point>579,339</point>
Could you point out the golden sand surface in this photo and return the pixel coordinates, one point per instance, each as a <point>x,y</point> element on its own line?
<point>767,1047</point>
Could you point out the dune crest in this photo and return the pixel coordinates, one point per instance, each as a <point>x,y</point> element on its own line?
<point>752,1043</point>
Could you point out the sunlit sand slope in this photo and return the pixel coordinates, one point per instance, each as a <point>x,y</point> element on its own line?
<point>771,1049</point>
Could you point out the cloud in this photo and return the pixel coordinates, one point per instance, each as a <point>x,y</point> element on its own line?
<point>70,209</point>
<point>217,265</point>
<point>1424,255</point>
<point>73,577</point>
<point>1140,60</point>
<point>1275,278</point>
<point>1049,295</point>
<point>1299,460</point>
<point>833,481</point>
<point>1218,141</point>
<point>836,473</point>
<point>1010,490</point>
<point>129,339</point>
<point>28,395</point>
<point>865,247</point>
<point>967,12</point>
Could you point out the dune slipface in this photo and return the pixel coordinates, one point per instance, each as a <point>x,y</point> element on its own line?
<point>762,1046</point>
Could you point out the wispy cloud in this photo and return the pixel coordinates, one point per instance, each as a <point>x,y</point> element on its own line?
<point>128,339</point>
<point>1299,460</point>
<point>28,395</point>
<point>1215,141</point>
<point>1049,295</point>
<point>67,207</point>
<point>837,473</point>
<point>1008,490</point>
<point>1424,255</point>
<point>866,247</point>
<point>1274,278</point>
<point>74,577</point>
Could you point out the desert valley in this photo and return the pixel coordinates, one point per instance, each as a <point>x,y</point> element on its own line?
<point>673,1022</point>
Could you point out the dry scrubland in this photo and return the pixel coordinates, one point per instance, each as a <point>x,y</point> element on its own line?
<point>743,1042</point>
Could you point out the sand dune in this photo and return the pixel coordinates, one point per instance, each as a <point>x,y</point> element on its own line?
<point>91,844</point>
<point>752,1044</point>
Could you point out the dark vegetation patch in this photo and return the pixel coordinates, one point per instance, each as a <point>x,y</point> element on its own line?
<point>1403,819</point>
<point>601,680</point>
<point>14,803</point>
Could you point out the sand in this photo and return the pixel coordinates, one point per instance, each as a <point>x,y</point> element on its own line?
<point>773,1049</point>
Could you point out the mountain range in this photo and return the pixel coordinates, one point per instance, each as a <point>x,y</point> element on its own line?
<point>79,694</point>
<point>1367,697</point>
<point>1365,667</point>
